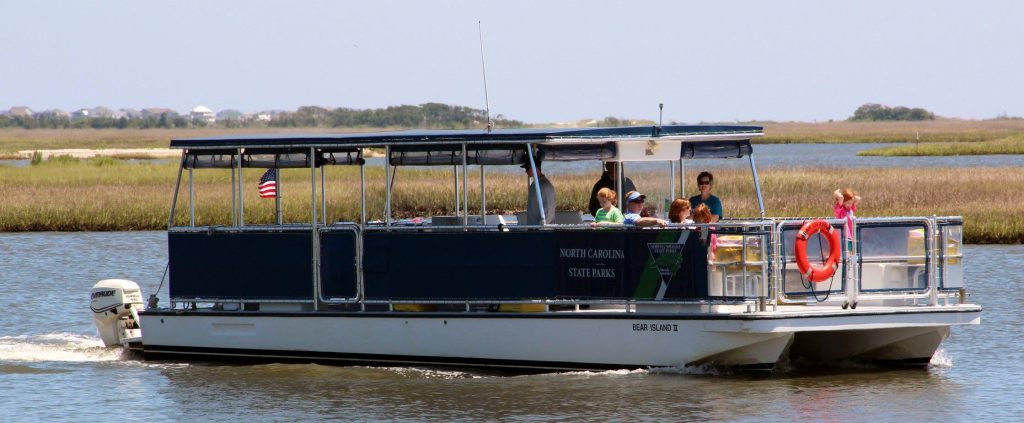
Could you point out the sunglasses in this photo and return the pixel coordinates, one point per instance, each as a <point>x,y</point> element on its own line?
<point>704,182</point>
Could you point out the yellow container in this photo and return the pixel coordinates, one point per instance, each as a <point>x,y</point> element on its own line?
<point>915,247</point>
<point>730,249</point>
<point>414,307</point>
<point>521,308</point>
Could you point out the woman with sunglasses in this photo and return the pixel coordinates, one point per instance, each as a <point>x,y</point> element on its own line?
<point>704,182</point>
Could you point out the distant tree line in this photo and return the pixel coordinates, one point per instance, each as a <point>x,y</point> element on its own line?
<point>872,112</point>
<point>47,120</point>
<point>429,115</point>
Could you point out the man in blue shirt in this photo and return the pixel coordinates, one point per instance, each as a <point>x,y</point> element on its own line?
<point>704,182</point>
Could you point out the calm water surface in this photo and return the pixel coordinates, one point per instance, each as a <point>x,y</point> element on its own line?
<point>773,155</point>
<point>52,366</point>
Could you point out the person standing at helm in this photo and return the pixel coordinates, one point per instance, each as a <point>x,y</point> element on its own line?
<point>705,181</point>
<point>547,193</point>
<point>608,181</point>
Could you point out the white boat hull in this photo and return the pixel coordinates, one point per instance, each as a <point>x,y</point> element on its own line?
<point>560,340</point>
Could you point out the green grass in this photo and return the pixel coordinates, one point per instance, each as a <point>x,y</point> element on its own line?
<point>106,194</point>
<point>1008,145</point>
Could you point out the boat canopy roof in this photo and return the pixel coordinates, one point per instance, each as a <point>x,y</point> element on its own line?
<point>497,147</point>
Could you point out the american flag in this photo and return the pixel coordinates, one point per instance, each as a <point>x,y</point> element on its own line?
<point>268,184</point>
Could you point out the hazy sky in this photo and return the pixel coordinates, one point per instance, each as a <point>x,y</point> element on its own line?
<point>547,61</point>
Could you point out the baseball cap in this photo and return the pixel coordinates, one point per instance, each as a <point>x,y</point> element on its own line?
<point>634,196</point>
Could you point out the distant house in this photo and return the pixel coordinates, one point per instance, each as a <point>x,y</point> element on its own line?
<point>131,113</point>
<point>203,113</point>
<point>81,114</point>
<point>262,117</point>
<point>229,114</point>
<point>21,111</point>
<point>102,112</point>
<point>156,112</point>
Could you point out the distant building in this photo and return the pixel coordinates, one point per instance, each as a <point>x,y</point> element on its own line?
<point>20,111</point>
<point>229,114</point>
<point>203,113</point>
<point>131,113</point>
<point>81,114</point>
<point>262,117</point>
<point>156,112</point>
<point>102,112</point>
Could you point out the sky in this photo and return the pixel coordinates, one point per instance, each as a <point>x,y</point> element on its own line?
<point>546,61</point>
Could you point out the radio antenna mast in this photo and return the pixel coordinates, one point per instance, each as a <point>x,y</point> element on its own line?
<point>483,68</point>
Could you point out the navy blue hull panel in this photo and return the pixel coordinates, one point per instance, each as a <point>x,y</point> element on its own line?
<point>270,265</point>
<point>481,265</point>
<point>338,264</point>
<point>573,264</point>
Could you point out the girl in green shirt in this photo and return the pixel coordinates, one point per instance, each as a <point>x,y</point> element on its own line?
<point>607,214</point>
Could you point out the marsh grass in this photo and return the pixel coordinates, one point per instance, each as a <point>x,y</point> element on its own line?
<point>940,130</point>
<point>1008,145</point>
<point>83,196</point>
<point>16,139</point>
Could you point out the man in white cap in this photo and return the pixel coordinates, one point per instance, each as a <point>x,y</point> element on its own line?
<point>635,212</point>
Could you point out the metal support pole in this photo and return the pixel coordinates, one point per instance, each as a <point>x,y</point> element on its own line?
<point>241,191</point>
<point>757,185</point>
<point>312,183</point>
<point>387,185</point>
<point>483,198</point>
<point>671,186</point>
<point>314,231</point>
<point>618,184</point>
<point>362,191</point>
<point>234,201</point>
<point>682,180</point>
<point>191,200</point>
<point>465,188</point>
<point>455,175</point>
<point>323,194</point>
<point>177,187</point>
<point>276,193</point>
<point>536,185</point>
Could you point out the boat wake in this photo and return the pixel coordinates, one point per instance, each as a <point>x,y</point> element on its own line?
<point>57,347</point>
<point>940,359</point>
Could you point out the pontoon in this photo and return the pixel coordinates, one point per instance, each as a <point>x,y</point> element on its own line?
<point>480,289</point>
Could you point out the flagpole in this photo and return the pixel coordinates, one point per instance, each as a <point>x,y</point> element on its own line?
<point>277,189</point>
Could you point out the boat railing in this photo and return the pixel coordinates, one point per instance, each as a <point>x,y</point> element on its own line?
<point>888,261</point>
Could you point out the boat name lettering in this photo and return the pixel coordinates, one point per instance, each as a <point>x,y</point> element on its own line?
<point>587,272</point>
<point>655,327</point>
<point>590,253</point>
<point>107,293</point>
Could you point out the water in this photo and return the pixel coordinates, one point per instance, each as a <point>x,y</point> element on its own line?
<point>52,365</point>
<point>765,156</point>
<point>769,156</point>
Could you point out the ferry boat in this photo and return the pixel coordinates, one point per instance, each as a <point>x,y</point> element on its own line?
<point>479,289</point>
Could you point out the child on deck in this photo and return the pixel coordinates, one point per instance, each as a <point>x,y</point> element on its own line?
<point>845,204</point>
<point>702,214</point>
<point>608,213</point>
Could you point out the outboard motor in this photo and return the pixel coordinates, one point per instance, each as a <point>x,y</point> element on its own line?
<point>115,306</point>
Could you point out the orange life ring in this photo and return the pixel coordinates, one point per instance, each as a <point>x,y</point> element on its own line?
<point>809,229</point>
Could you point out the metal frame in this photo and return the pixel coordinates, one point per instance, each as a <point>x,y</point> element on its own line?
<point>769,231</point>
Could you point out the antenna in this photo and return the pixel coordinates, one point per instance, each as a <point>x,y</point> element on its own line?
<point>661,107</point>
<point>483,68</point>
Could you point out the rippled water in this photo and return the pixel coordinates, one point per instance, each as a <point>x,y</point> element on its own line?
<point>52,365</point>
